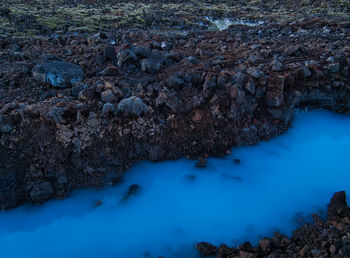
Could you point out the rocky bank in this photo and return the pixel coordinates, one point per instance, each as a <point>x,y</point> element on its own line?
<point>77,110</point>
<point>330,238</point>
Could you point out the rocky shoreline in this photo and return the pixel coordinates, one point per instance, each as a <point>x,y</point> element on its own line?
<point>78,109</point>
<point>330,238</point>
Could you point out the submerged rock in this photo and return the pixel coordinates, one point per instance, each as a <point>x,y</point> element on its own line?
<point>132,190</point>
<point>202,163</point>
<point>58,74</point>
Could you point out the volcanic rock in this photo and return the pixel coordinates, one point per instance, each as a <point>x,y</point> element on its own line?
<point>58,74</point>
<point>133,106</point>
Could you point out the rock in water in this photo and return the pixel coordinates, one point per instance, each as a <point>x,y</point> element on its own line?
<point>58,74</point>
<point>337,207</point>
<point>206,249</point>
<point>132,190</point>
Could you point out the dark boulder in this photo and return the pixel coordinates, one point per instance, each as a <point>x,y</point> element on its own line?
<point>58,74</point>
<point>132,190</point>
<point>337,208</point>
<point>126,56</point>
<point>206,249</point>
<point>151,65</point>
<point>41,192</point>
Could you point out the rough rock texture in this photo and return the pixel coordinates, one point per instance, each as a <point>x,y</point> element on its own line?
<point>329,238</point>
<point>213,90</point>
<point>58,74</point>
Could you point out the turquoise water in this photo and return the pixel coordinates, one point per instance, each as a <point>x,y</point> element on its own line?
<point>273,187</point>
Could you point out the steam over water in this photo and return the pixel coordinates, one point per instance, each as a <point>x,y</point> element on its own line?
<point>180,205</point>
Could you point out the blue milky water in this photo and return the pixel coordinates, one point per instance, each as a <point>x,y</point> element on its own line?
<point>276,185</point>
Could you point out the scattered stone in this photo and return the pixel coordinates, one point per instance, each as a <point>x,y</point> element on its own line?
<point>250,86</point>
<point>255,72</point>
<point>174,82</point>
<point>334,68</point>
<point>291,50</point>
<point>125,56</point>
<point>108,109</point>
<point>87,94</point>
<point>238,79</point>
<point>150,65</point>
<point>6,128</point>
<point>109,53</point>
<point>276,66</point>
<point>133,106</point>
<point>108,96</point>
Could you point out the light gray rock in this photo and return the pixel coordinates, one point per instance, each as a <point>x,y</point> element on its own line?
<point>133,106</point>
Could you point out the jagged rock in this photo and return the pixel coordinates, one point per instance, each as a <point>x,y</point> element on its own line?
<point>274,98</point>
<point>276,66</point>
<point>125,56</point>
<point>255,72</point>
<point>108,109</point>
<point>133,106</point>
<point>334,68</point>
<point>162,97</point>
<point>238,79</point>
<point>209,86</point>
<point>87,94</point>
<point>337,207</point>
<point>151,65</point>
<point>291,50</point>
<point>58,74</point>
<point>174,82</point>
<point>266,245</point>
<point>206,249</point>
<point>41,192</point>
<point>250,86</point>
<point>108,96</point>
<point>109,53</point>
<point>78,88</point>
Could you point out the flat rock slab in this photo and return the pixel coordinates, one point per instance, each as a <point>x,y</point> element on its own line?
<point>58,74</point>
